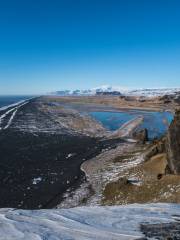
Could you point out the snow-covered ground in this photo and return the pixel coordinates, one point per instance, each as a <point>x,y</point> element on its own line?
<point>84,223</point>
<point>100,171</point>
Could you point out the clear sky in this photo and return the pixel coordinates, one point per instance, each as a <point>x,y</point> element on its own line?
<point>48,45</point>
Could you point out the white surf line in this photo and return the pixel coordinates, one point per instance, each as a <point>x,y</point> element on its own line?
<point>5,114</point>
<point>12,105</point>
<point>16,104</point>
<point>11,119</point>
<point>14,110</point>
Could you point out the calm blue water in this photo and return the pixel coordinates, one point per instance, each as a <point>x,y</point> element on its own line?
<point>7,100</point>
<point>156,122</point>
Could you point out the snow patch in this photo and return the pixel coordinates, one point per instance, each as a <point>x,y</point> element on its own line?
<point>70,155</point>
<point>37,180</point>
<point>90,223</point>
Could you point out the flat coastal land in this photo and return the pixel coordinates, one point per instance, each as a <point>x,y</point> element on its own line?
<point>111,103</point>
<point>46,142</point>
<point>42,149</point>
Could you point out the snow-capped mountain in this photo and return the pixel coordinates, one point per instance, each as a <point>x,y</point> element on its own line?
<point>111,90</point>
<point>149,92</point>
<point>93,91</point>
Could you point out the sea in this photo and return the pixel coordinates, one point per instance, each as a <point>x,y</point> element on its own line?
<point>8,100</point>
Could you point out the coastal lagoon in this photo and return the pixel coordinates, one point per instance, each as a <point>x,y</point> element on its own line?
<point>156,122</point>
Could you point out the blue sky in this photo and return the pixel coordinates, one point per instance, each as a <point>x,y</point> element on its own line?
<point>58,44</point>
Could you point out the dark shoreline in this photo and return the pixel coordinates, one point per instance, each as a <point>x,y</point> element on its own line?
<point>30,156</point>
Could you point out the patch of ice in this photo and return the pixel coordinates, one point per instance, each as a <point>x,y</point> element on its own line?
<point>90,223</point>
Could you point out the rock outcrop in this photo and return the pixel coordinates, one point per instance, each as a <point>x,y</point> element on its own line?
<point>173,144</point>
<point>157,147</point>
<point>141,136</point>
<point>177,98</point>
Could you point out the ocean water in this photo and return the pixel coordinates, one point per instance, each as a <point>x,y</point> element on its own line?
<point>7,100</point>
<point>156,122</point>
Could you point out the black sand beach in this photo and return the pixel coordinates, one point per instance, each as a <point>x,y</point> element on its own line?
<point>37,167</point>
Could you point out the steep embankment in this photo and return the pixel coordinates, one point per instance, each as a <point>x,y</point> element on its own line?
<point>156,178</point>
<point>173,145</point>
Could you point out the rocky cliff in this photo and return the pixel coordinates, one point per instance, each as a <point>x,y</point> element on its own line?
<point>173,144</point>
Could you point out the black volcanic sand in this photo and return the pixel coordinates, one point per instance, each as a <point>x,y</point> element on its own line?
<point>26,156</point>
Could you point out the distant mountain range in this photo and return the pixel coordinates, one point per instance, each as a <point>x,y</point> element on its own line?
<point>110,90</point>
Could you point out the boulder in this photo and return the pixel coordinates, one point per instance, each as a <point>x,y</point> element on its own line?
<point>141,136</point>
<point>177,98</point>
<point>173,144</point>
<point>157,147</point>
<point>166,99</point>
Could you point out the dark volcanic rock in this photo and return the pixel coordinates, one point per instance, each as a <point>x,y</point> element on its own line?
<point>173,144</point>
<point>113,93</point>
<point>177,98</point>
<point>141,135</point>
<point>166,99</point>
<point>169,231</point>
